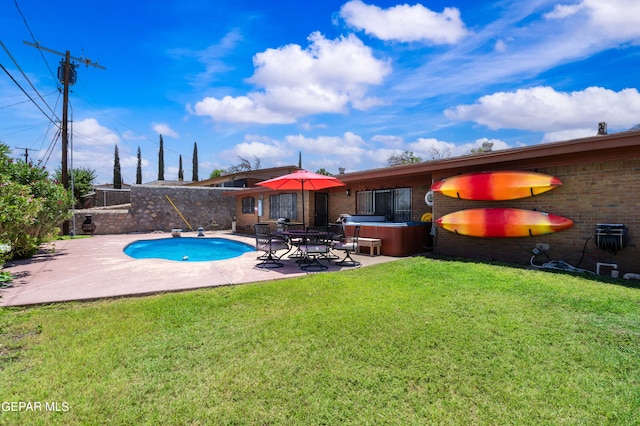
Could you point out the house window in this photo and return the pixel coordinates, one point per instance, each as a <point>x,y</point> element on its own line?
<point>248,205</point>
<point>283,205</point>
<point>395,204</point>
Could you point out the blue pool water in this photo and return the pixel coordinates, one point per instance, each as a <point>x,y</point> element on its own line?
<point>187,249</point>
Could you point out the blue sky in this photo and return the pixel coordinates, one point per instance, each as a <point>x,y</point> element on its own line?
<point>347,83</point>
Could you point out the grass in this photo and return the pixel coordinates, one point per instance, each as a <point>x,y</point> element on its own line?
<point>416,341</point>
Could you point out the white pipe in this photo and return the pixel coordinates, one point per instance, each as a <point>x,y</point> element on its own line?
<point>631,275</point>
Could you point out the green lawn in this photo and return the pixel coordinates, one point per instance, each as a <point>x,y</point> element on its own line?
<point>416,341</point>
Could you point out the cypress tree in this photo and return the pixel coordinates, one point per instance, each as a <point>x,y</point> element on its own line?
<point>180,171</point>
<point>194,175</point>
<point>161,160</point>
<point>139,168</point>
<point>117,175</point>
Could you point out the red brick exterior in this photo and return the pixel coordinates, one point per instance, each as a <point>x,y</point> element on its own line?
<point>591,193</point>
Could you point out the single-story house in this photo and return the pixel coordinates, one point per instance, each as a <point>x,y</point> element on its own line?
<point>600,178</point>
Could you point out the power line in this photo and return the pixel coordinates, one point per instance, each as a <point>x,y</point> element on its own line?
<point>28,80</point>
<point>33,37</point>
<point>25,92</point>
<point>22,102</point>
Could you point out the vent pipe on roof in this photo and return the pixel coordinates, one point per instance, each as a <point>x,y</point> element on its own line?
<point>486,146</point>
<point>602,128</point>
<point>341,170</point>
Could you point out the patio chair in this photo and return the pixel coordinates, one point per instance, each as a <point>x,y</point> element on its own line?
<point>336,235</point>
<point>269,245</point>
<point>295,240</point>
<point>349,245</point>
<point>315,245</point>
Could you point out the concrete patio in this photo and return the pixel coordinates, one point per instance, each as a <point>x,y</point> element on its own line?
<point>96,267</point>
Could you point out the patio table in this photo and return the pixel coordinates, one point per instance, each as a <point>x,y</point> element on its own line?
<point>308,255</point>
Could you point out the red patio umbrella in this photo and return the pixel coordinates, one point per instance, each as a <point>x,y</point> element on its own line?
<point>298,180</point>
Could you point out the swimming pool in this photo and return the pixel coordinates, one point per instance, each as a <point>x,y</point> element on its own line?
<point>187,249</point>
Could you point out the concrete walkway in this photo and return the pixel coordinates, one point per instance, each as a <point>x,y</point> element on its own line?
<point>96,267</point>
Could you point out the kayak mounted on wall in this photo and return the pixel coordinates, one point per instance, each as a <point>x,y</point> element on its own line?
<point>502,222</point>
<point>496,186</point>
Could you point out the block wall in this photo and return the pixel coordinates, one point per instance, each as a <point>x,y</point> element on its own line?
<point>104,197</point>
<point>210,208</point>
<point>591,193</point>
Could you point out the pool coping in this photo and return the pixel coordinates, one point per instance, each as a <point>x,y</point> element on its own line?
<point>97,268</point>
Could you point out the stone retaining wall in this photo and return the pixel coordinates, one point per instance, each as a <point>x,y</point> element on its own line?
<point>151,210</point>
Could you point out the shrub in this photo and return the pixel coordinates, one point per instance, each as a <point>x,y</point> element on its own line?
<point>31,206</point>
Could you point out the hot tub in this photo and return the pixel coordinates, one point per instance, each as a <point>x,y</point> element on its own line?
<point>398,238</point>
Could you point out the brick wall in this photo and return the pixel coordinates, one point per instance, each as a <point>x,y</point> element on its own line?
<point>591,193</point>
<point>210,208</point>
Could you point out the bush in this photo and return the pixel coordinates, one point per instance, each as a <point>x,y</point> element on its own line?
<point>31,206</point>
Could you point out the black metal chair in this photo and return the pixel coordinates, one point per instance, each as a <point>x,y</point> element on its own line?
<point>315,245</point>
<point>269,245</point>
<point>336,235</point>
<point>295,238</point>
<point>349,245</point>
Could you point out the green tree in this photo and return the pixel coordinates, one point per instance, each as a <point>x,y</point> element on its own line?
<point>322,171</point>
<point>161,160</point>
<point>32,206</point>
<point>180,171</point>
<point>194,170</point>
<point>83,181</point>
<point>407,157</point>
<point>139,168</point>
<point>216,173</point>
<point>117,173</point>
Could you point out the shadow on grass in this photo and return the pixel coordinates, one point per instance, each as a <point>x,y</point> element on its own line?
<point>604,279</point>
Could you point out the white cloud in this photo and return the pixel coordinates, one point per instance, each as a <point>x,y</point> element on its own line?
<point>349,145</point>
<point>612,20</point>
<point>565,135</point>
<point>326,77</point>
<point>310,126</point>
<point>131,135</point>
<point>431,148</point>
<point>500,46</point>
<point>562,11</point>
<point>164,129</point>
<point>212,58</point>
<point>388,140</point>
<point>259,150</point>
<point>544,109</point>
<point>94,148</point>
<point>530,45</point>
<point>405,23</point>
<point>243,109</point>
<point>89,132</point>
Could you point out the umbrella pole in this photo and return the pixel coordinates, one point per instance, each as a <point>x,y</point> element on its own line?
<point>303,223</point>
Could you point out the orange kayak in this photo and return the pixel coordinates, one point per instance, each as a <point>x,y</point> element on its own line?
<point>500,185</point>
<point>503,222</point>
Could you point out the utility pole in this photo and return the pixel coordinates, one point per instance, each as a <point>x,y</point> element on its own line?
<point>67,76</point>
<point>26,153</point>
